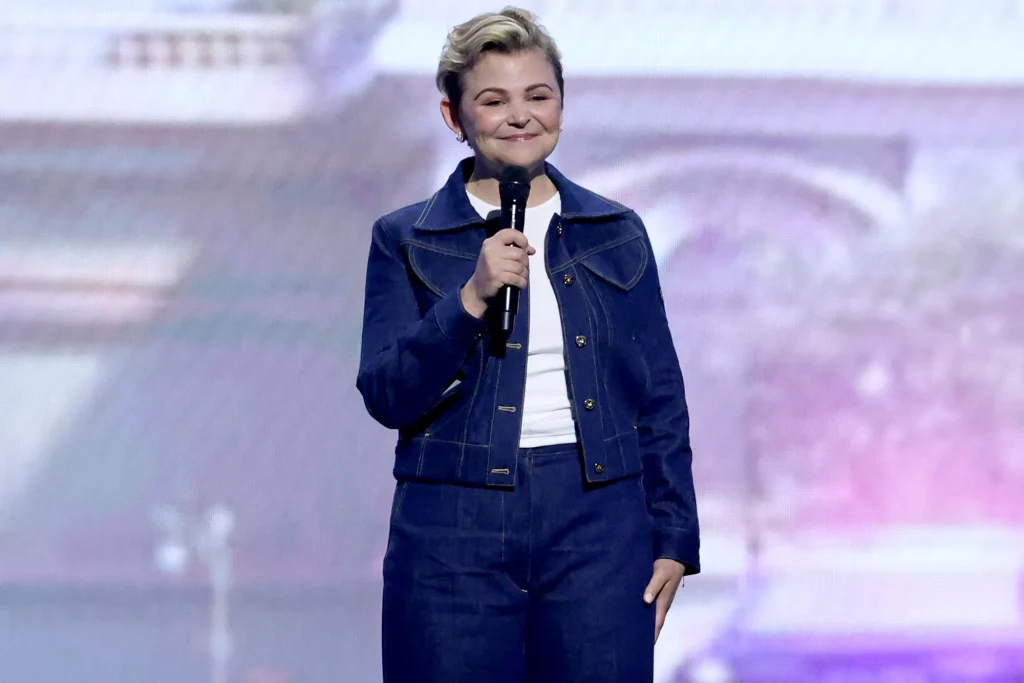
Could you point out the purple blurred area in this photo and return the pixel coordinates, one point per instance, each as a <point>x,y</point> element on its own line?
<point>190,489</point>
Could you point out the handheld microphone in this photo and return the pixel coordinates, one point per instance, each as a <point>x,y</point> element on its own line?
<point>514,190</point>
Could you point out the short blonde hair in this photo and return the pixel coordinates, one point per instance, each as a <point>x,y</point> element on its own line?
<point>508,31</point>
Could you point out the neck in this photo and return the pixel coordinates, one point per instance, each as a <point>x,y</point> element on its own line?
<point>484,185</point>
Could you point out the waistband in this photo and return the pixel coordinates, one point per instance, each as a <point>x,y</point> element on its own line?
<point>572,449</point>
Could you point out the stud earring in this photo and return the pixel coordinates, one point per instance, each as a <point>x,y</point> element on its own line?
<point>460,137</point>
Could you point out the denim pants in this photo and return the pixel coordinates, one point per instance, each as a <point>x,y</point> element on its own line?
<point>542,583</point>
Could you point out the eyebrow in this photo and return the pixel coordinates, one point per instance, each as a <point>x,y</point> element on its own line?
<point>502,91</point>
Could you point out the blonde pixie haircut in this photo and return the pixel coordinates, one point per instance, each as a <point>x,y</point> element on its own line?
<point>508,31</point>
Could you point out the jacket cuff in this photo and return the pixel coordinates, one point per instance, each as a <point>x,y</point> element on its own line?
<point>455,323</point>
<point>679,545</point>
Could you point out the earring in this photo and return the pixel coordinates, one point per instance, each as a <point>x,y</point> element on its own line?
<point>460,137</point>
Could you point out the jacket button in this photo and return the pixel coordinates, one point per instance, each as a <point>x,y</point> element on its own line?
<point>567,279</point>
<point>589,404</point>
<point>599,467</point>
<point>558,229</point>
<point>581,341</point>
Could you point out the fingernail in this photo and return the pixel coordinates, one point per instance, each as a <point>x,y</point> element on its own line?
<point>648,598</point>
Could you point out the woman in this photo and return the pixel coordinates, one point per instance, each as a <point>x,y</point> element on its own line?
<point>544,514</point>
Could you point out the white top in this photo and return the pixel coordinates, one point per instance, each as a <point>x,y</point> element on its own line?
<point>547,415</point>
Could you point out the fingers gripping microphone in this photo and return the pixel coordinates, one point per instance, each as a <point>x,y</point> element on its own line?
<point>514,189</point>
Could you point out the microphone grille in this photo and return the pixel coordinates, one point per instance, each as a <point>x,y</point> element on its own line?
<point>514,175</point>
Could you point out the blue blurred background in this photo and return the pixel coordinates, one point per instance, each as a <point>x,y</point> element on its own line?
<point>190,489</point>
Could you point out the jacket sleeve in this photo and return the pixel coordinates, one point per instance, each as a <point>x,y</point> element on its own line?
<point>407,360</point>
<point>664,431</point>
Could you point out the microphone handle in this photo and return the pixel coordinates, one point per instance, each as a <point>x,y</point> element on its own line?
<point>509,298</point>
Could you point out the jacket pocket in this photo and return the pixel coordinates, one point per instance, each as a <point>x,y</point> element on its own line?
<point>620,264</point>
<point>443,409</point>
<point>641,359</point>
<point>438,269</point>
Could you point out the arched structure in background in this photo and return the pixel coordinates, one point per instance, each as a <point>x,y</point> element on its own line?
<point>878,204</point>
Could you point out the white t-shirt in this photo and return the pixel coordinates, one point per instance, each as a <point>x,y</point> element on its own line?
<point>547,415</point>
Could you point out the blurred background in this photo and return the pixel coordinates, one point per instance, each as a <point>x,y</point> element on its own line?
<point>190,489</point>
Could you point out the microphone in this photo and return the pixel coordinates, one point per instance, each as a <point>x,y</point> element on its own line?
<point>514,190</point>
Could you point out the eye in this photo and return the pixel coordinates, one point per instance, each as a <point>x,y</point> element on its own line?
<point>538,98</point>
<point>492,103</point>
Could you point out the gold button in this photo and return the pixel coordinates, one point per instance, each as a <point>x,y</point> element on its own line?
<point>589,404</point>
<point>567,279</point>
<point>581,341</point>
<point>599,467</point>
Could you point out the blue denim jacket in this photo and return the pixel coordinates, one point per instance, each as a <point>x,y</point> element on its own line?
<point>430,370</point>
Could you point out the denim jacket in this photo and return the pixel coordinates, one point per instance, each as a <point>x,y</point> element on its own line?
<point>431,371</point>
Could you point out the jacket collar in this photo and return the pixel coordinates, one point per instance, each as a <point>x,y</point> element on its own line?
<point>449,208</point>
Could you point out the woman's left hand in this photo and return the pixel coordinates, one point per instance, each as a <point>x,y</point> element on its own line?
<point>667,577</point>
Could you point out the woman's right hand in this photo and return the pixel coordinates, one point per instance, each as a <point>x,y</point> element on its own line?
<point>504,260</point>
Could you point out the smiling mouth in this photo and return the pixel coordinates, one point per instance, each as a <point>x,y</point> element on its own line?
<point>520,138</point>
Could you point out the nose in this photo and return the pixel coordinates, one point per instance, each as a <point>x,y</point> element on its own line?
<point>518,115</point>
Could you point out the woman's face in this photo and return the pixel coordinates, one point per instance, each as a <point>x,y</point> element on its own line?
<point>511,110</point>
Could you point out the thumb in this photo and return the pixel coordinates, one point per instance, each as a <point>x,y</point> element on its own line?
<point>654,587</point>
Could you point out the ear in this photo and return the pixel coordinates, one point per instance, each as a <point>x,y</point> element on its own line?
<point>450,114</point>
